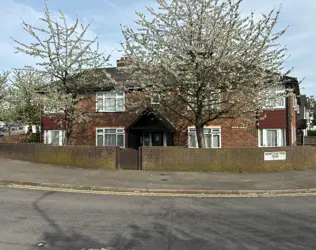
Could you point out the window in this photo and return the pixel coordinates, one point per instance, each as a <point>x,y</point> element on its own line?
<point>275,98</point>
<point>54,137</point>
<point>155,98</point>
<point>211,102</point>
<point>272,137</point>
<point>110,137</point>
<point>295,105</point>
<point>212,137</point>
<point>53,110</point>
<point>110,101</point>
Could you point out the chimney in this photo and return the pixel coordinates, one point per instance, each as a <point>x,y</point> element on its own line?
<point>121,62</point>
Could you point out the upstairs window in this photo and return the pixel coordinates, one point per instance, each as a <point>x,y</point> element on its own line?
<point>110,101</point>
<point>155,98</point>
<point>275,98</point>
<point>53,110</point>
<point>212,137</point>
<point>211,102</point>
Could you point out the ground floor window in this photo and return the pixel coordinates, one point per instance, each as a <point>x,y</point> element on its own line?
<point>212,137</point>
<point>110,137</point>
<point>272,138</point>
<point>54,137</point>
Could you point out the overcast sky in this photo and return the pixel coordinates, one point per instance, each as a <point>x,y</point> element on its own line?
<point>107,15</point>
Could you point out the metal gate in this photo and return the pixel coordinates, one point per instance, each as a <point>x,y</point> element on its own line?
<point>129,159</point>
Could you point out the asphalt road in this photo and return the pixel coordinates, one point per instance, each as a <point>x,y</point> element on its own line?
<point>85,221</point>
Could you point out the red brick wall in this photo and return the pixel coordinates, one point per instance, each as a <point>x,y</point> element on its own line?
<point>233,133</point>
<point>293,119</point>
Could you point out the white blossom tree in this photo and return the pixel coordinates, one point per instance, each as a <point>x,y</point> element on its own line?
<point>206,60</point>
<point>3,85</point>
<point>23,88</point>
<point>8,108</point>
<point>67,56</point>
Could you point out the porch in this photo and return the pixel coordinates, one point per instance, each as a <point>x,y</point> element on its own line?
<point>150,129</point>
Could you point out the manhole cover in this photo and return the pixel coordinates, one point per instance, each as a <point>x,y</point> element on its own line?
<point>164,179</point>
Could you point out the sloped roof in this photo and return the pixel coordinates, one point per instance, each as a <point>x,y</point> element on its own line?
<point>157,114</point>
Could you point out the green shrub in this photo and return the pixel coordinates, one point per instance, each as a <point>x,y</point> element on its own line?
<point>311,133</point>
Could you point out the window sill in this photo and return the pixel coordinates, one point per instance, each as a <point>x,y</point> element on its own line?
<point>206,148</point>
<point>54,113</point>
<point>277,108</point>
<point>111,111</point>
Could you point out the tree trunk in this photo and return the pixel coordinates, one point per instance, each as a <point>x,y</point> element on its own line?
<point>68,132</point>
<point>200,135</point>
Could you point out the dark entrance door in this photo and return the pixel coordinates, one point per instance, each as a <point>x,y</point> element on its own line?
<point>157,138</point>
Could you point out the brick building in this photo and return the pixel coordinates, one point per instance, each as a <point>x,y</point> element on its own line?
<point>114,121</point>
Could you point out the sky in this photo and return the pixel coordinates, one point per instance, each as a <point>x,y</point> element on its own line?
<point>107,16</point>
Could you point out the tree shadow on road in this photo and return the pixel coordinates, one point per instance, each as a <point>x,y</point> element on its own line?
<point>57,238</point>
<point>204,224</point>
<point>222,226</point>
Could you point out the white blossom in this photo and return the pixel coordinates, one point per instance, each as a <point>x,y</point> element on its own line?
<point>220,63</point>
<point>70,60</point>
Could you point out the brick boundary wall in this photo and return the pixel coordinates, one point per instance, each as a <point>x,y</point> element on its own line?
<point>76,156</point>
<point>226,160</point>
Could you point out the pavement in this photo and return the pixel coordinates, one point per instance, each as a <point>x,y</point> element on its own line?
<point>13,172</point>
<point>33,220</point>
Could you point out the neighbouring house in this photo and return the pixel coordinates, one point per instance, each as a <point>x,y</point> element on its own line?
<point>279,128</point>
<point>304,117</point>
<point>114,121</point>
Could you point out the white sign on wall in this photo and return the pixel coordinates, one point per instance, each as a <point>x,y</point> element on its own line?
<point>275,156</point>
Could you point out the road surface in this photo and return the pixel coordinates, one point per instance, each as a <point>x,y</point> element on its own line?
<point>49,220</point>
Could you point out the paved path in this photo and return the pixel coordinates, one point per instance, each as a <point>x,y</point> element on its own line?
<point>64,221</point>
<point>26,171</point>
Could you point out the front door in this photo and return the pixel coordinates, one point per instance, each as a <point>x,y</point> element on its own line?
<point>157,138</point>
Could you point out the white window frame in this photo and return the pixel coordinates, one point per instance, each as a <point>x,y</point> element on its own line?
<point>53,110</point>
<point>281,137</point>
<point>276,91</point>
<point>206,101</point>
<point>152,98</point>
<point>212,135</point>
<point>48,137</point>
<point>119,131</point>
<point>105,95</point>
